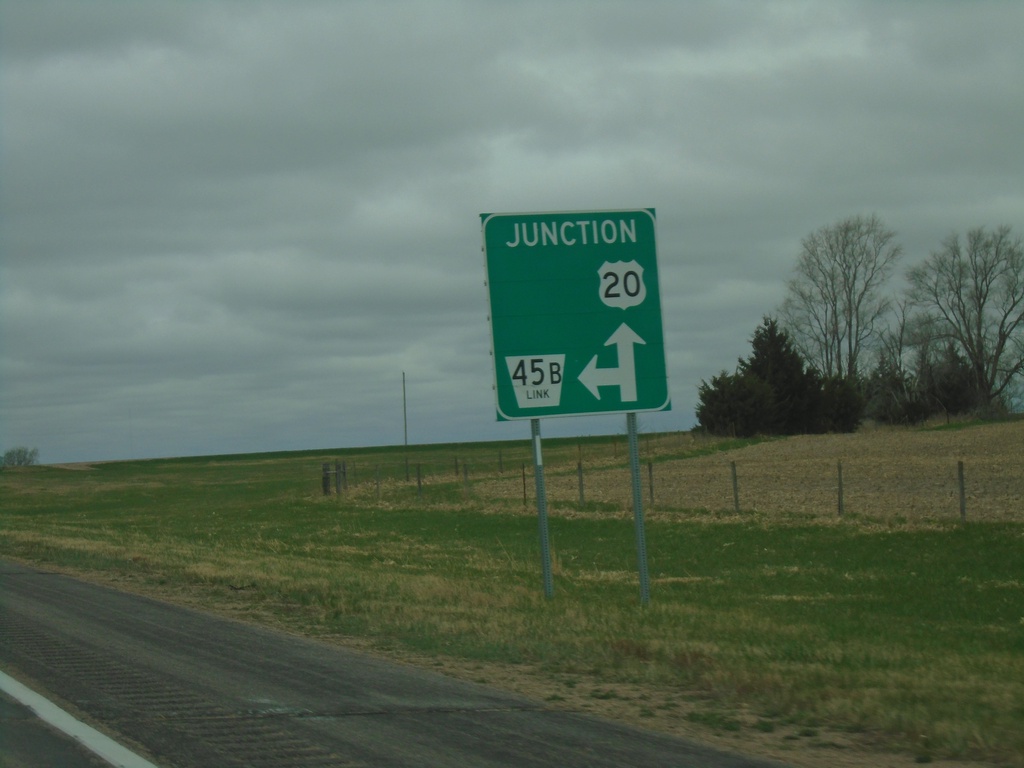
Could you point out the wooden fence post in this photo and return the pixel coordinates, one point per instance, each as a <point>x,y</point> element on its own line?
<point>963,491</point>
<point>326,479</point>
<point>735,487</point>
<point>839,468</point>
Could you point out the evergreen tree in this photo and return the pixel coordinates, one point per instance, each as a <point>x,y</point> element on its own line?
<point>735,405</point>
<point>842,405</point>
<point>795,388</point>
<point>774,392</point>
<point>893,396</point>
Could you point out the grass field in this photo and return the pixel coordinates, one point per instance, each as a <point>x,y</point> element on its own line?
<point>879,636</point>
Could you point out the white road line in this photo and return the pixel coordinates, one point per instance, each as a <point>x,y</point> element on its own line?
<point>90,738</point>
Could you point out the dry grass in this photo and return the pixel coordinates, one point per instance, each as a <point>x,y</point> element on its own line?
<point>888,473</point>
<point>763,630</point>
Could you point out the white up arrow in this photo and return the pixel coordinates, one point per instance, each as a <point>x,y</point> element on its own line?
<point>624,376</point>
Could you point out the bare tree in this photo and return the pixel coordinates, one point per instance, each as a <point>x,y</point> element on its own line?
<point>836,300</point>
<point>21,457</point>
<point>971,292</point>
<point>895,339</point>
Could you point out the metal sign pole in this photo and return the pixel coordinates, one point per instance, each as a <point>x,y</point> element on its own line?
<point>638,508</point>
<point>563,287</point>
<point>542,509</point>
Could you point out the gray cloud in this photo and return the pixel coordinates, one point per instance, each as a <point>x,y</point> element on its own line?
<point>230,226</point>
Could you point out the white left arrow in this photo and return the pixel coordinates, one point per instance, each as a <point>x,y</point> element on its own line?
<point>624,375</point>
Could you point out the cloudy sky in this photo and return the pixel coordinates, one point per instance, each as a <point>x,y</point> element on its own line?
<point>232,226</point>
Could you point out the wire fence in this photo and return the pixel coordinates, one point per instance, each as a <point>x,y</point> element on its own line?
<point>824,481</point>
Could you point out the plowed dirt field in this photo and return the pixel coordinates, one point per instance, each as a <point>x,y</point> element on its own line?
<point>887,473</point>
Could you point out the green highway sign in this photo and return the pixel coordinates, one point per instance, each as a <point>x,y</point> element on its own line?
<point>575,313</point>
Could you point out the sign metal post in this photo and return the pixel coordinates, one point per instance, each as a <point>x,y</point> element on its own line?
<point>638,509</point>
<point>542,509</point>
<point>576,328</point>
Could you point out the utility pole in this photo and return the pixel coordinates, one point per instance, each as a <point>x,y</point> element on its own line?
<point>405,428</point>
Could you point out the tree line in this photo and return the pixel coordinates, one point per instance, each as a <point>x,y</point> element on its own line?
<point>846,345</point>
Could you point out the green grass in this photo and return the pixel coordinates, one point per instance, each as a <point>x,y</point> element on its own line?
<point>907,633</point>
<point>960,423</point>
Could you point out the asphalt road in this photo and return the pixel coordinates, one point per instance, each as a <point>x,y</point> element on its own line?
<point>28,742</point>
<point>189,689</point>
